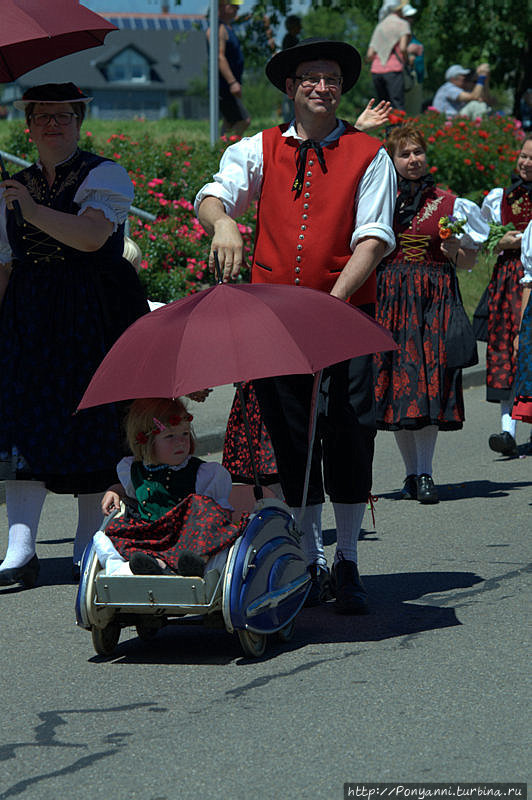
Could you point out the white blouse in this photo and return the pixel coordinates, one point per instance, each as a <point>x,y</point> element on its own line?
<point>212,480</point>
<point>239,180</point>
<point>491,206</point>
<point>107,188</point>
<point>476,229</point>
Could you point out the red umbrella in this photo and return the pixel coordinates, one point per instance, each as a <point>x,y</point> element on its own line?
<point>231,333</point>
<point>34,32</point>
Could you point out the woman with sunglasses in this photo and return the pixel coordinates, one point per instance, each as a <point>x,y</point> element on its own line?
<point>69,296</point>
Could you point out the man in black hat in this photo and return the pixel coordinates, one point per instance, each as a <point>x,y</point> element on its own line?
<point>326,196</point>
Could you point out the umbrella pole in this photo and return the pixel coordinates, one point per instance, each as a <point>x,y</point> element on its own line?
<point>311,436</point>
<point>257,488</point>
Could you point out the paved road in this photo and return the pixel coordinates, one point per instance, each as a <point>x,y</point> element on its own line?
<point>432,686</point>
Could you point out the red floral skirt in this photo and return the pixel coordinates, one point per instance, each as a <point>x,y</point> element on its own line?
<point>236,455</point>
<point>198,523</point>
<point>504,312</point>
<point>413,386</point>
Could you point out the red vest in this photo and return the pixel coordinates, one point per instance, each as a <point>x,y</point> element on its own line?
<point>420,240</point>
<point>306,240</point>
<point>519,211</point>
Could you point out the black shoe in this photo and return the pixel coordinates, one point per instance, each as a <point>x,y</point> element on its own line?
<point>409,490</point>
<point>503,443</point>
<point>26,575</point>
<point>190,565</point>
<point>351,596</point>
<point>426,491</point>
<point>144,564</point>
<point>320,586</point>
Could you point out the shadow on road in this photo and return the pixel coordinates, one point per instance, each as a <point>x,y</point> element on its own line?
<point>393,615</point>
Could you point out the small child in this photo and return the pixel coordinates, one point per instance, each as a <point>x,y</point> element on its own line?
<point>184,514</point>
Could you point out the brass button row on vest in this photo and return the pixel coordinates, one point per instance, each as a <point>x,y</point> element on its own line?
<point>303,227</point>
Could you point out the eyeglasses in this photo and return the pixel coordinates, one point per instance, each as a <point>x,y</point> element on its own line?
<point>63,118</point>
<point>311,79</point>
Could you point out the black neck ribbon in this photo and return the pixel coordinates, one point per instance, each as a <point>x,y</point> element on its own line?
<point>410,198</point>
<point>301,162</point>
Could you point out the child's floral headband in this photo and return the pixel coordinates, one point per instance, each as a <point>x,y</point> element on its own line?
<point>176,419</point>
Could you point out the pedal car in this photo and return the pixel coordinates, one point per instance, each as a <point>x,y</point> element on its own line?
<point>257,593</point>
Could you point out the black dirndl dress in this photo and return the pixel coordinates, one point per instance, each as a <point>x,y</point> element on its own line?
<point>62,311</point>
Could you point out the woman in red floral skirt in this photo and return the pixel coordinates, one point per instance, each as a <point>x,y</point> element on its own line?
<point>502,207</point>
<point>417,394</point>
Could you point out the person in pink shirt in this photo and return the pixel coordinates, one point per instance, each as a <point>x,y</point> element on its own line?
<point>387,51</point>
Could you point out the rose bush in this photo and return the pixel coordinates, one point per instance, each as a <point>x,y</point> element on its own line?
<point>470,157</point>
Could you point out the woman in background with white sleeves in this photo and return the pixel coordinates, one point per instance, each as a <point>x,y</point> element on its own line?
<point>70,294</point>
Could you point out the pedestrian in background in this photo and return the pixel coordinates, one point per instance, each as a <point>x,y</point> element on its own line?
<point>387,52</point>
<point>235,117</point>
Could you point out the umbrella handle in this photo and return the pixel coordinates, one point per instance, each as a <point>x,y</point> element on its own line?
<point>16,205</point>
<point>217,267</point>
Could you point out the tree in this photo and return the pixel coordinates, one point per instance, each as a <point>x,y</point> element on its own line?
<point>465,31</point>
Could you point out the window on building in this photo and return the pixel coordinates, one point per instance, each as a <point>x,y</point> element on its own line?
<point>129,65</point>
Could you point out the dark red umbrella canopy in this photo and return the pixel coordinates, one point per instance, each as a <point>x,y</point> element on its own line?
<point>231,333</point>
<point>34,32</point>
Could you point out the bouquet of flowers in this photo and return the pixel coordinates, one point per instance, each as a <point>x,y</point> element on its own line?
<point>450,226</point>
<point>495,235</point>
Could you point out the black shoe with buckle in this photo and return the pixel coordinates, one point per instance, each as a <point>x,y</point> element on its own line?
<point>26,575</point>
<point>351,596</point>
<point>426,491</point>
<point>503,443</point>
<point>320,586</point>
<point>409,490</point>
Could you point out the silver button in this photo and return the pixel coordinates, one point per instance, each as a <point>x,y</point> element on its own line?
<point>298,269</point>
<point>309,174</point>
<point>299,247</point>
<point>308,183</point>
<point>305,205</point>
<point>297,281</point>
<point>303,227</point>
<point>306,195</point>
<point>301,236</point>
<point>311,162</point>
<point>298,258</point>
<point>305,216</point>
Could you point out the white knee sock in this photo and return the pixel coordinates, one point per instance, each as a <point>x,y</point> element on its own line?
<point>89,520</point>
<point>407,447</point>
<point>312,541</point>
<point>348,518</point>
<point>24,502</point>
<point>425,444</point>
<point>507,423</point>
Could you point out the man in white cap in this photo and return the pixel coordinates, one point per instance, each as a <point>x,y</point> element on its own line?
<point>326,196</point>
<point>452,97</point>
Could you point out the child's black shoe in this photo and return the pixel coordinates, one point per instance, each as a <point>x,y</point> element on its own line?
<point>190,565</point>
<point>144,564</point>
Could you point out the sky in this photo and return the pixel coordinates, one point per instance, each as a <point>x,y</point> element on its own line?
<point>186,7</point>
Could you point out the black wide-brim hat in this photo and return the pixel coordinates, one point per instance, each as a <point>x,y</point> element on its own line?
<point>284,63</point>
<point>52,93</point>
